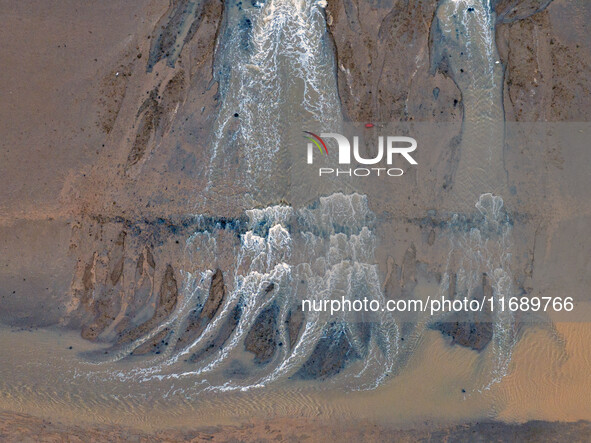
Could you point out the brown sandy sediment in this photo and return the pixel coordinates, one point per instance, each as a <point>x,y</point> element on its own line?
<point>19,427</point>
<point>512,10</point>
<point>165,304</point>
<point>548,72</point>
<point>295,321</point>
<point>382,54</point>
<point>131,196</point>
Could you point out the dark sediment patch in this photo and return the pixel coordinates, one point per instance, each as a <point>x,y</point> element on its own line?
<point>157,229</point>
<point>236,370</point>
<point>198,320</point>
<point>219,340</point>
<point>261,340</point>
<point>476,331</point>
<point>178,26</point>
<point>154,346</point>
<point>113,88</point>
<point>167,300</point>
<point>157,113</point>
<point>475,336</point>
<point>165,40</point>
<point>332,353</point>
<point>150,119</point>
<point>101,301</point>
<point>512,10</point>
<point>106,306</point>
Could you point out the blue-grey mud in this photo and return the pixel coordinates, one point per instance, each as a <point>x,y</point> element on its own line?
<point>162,221</point>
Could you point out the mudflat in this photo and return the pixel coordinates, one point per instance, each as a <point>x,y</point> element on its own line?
<point>160,223</point>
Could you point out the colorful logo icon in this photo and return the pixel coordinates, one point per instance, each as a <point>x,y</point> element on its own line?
<point>316,142</point>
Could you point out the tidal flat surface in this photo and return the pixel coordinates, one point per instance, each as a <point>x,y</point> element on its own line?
<point>160,224</point>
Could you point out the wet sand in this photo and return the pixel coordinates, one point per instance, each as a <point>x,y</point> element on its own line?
<point>548,380</point>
